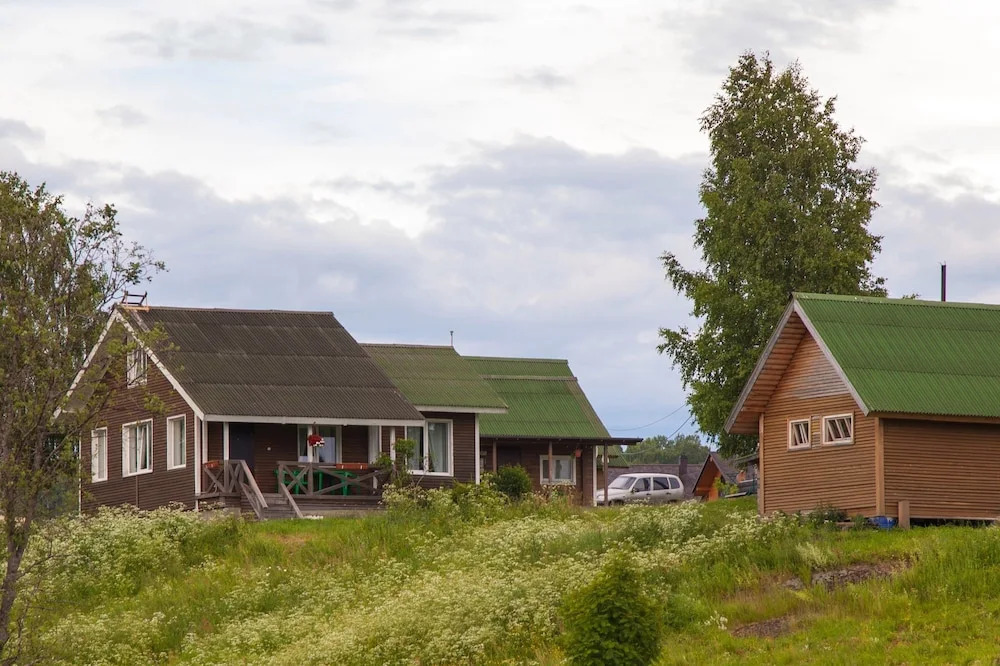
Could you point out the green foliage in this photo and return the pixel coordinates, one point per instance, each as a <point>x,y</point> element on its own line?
<point>612,620</point>
<point>659,449</point>
<point>401,475</point>
<point>513,481</point>
<point>58,276</point>
<point>725,489</point>
<point>787,210</point>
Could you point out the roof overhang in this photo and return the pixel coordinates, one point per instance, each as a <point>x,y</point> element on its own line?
<point>586,441</point>
<point>308,420</point>
<point>771,366</point>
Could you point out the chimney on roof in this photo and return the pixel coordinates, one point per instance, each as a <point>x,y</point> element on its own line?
<point>682,465</point>
<point>944,282</point>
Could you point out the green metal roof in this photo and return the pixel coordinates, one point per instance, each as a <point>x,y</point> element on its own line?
<point>910,356</point>
<point>434,376</point>
<point>543,398</point>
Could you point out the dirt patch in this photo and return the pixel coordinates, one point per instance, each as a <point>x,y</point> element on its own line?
<point>849,575</point>
<point>776,626</point>
<point>292,541</point>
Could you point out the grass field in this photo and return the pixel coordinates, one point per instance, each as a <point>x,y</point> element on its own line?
<point>451,585</point>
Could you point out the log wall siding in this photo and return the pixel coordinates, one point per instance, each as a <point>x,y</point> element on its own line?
<point>156,488</point>
<point>945,470</point>
<point>801,480</point>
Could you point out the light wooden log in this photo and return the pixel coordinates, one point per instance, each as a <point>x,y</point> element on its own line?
<point>904,514</point>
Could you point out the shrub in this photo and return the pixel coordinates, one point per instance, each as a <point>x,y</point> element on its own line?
<point>513,482</point>
<point>612,620</point>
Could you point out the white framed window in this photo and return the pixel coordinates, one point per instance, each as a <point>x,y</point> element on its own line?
<point>137,448</point>
<point>838,429</point>
<point>138,366</point>
<point>799,435</point>
<point>99,455</point>
<point>563,470</point>
<point>434,452</point>
<point>327,451</point>
<point>176,442</point>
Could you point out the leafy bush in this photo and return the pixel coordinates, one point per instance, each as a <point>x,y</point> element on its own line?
<point>513,481</point>
<point>825,514</point>
<point>612,620</point>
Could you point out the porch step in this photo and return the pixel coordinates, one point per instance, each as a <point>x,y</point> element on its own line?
<point>278,506</point>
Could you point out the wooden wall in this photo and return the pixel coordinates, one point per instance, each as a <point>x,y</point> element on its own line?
<point>945,470</point>
<point>528,455</point>
<point>801,480</point>
<point>153,489</point>
<point>464,440</point>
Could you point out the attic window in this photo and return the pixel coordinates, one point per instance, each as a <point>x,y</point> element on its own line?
<point>137,363</point>
<point>838,429</point>
<point>798,434</point>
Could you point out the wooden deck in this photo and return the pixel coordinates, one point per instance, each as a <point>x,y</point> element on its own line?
<point>305,489</point>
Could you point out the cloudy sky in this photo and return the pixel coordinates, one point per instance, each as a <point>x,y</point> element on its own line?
<point>510,171</point>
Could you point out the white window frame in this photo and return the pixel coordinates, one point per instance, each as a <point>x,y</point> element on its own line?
<point>792,446</point>
<point>426,462</point>
<point>171,462</point>
<point>126,448</point>
<point>544,480</point>
<point>95,474</point>
<point>137,372</point>
<point>839,442</point>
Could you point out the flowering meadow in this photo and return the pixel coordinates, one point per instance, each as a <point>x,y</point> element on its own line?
<point>475,581</point>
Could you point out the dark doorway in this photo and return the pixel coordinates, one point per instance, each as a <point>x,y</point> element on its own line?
<point>241,442</point>
<point>508,456</point>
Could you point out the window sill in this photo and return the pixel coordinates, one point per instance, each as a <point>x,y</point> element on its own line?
<point>416,472</point>
<point>546,482</point>
<point>847,443</point>
<point>170,468</point>
<point>143,472</point>
<point>93,481</point>
<point>799,448</point>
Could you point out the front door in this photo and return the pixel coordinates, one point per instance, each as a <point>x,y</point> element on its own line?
<point>241,442</point>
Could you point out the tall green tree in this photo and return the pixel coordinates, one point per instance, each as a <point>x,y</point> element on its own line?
<point>787,209</point>
<point>58,276</point>
<point>661,449</point>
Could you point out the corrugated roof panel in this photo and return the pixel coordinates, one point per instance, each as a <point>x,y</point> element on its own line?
<point>275,364</point>
<point>543,398</point>
<point>432,376</point>
<point>909,356</point>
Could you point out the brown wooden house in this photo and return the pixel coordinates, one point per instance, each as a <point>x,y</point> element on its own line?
<point>282,413</point>
<point>879,407</point>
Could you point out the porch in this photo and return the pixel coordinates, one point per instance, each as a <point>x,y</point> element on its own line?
<point>291,470</point>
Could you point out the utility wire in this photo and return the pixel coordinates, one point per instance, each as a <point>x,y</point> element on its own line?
<point>664,418</point>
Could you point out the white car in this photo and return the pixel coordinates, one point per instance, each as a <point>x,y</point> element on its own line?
<point>638,487</point>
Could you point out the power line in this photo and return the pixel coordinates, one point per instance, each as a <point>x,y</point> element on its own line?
<point>626,453</point>
<point>664,418</point>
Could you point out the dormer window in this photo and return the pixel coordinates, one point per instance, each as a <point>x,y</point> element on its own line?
<point>137,363</point>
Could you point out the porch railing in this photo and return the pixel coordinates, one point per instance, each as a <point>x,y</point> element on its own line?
<point>233,478</point>
<point>307,479</point>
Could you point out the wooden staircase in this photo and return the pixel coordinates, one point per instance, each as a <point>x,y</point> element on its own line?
<point>277,507</point>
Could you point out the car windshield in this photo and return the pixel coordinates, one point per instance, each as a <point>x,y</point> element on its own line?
<point>622,482</point>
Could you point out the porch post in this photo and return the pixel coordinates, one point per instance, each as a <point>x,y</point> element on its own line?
<point>225,440</point>
<point>605,474</point>
<point>495,456</point>
<point>551,471</point>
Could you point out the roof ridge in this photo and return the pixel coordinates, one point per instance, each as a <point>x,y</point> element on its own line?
<point>150,308</point>
<point>406,345</point>
<point>517,358</point>
<point>884,300</point>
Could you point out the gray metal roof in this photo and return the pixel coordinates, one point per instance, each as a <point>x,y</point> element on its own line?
<point>272,363</point>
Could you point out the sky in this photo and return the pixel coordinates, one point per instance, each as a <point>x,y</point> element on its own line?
<point>508,171</point>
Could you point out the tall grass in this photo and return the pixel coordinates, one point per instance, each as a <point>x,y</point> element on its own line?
<point>446,584</point>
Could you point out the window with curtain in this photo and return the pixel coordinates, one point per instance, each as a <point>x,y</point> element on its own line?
<point>439,447</point>
<point>137,448</point>
<point>563,470</point>
<point>99,454</point>
<point>327,452</point>
<point>176,442</point>
<point>415,462</point>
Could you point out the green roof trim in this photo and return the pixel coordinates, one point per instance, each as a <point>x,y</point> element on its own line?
<point>544,400</point>
<point>910,356</point>
<point>434,376</point>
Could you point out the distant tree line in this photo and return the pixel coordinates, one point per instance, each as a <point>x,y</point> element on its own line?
<point>661,449</point>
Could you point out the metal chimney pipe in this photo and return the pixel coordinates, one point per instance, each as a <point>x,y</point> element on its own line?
<point>944,282</point>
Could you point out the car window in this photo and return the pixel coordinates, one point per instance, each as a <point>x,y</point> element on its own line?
<point>661,483</point>
<point>622,482</point>
<point>641,485</point>
<point>675,483</point>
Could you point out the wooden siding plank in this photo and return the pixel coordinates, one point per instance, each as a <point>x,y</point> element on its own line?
<point>945,470</point>
<point>801,480</point>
